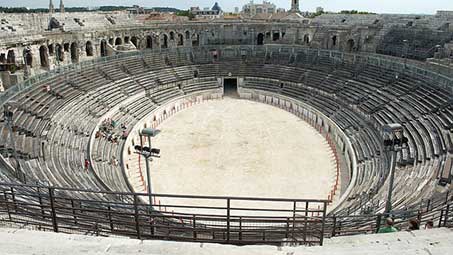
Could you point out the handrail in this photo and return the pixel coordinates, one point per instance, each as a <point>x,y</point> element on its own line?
<point>162,195</point>
<point>48,208</point>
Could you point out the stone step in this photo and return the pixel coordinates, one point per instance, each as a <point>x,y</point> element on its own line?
<point>434,242</point>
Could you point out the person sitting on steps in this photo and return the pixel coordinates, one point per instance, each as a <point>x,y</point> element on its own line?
<point>388,228</point>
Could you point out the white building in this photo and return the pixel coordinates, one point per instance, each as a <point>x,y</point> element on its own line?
<point>207,13</point>
<point>254,9</point>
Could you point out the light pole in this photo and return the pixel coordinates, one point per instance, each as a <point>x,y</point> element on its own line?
<point>148,153</point>
<point>406,50</point>
<point>394,142</point>
<point>9,114</point>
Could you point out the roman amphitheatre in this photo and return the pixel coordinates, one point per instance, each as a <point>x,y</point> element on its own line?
<point>280,130</point>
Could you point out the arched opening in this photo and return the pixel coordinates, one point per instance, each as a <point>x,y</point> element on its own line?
<point>172,35</point>
<point>149,42</point>
<point>66,47</point>
<point>89,49</point>
<point>111,41</point>
<point>134,41</point>
<point>180,40</point>
<point>165,41</point>
<point>187,35</point>
<point>276,36</point>
<point>59,52</point>
<point>334,41</point>
<point>11,57</point>
<point>103,48</point>
<point>306,39</point>
<point>350,45</point>
<point>118,41</point>
<point>28,57</point>
<point>127,39</point>
<point>44,56</point>
<point>74,52</point>
<point>51,49</point>
<point>195,40</point>
<point>260,39</point>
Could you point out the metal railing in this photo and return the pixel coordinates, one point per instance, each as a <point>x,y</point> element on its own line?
<point>438,210</point>
<point>233,220</point>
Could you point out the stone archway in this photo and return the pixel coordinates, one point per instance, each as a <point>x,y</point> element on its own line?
<point>28,57</point>
<point>350,45</point>
<point>103,48</point>
<point>134,41</point>
<point>149,42</point>
<point>51,48</point>
<point>165,41</point>
<point>89,49</point>
<point>260,39</point>
<point>59,52</point>
<point>334,41</point>
<point>195,40</point>
<point>118,41</point>
<point>44,56</point>
<point>11,57</point>
<point>306,39</point>
<point>180,40</point>
<point>74,52</point>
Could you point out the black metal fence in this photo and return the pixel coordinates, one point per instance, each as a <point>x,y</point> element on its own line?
<point>437,210</point>
<point>234,220</point>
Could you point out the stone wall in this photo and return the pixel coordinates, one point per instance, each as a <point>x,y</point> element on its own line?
<point>29,46</point>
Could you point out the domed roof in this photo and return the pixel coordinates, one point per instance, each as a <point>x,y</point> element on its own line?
<point>216,7</point>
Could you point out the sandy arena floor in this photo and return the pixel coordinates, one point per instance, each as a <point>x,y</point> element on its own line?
<point>234,147</point>
<point>237,147</point>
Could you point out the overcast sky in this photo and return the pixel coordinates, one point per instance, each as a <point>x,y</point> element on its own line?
<point>379,6</point>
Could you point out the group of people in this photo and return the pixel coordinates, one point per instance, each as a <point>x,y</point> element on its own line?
<point>414,224</point>
<point>106,130</point>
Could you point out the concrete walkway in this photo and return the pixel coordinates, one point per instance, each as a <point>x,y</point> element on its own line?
<point>431,242</point>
